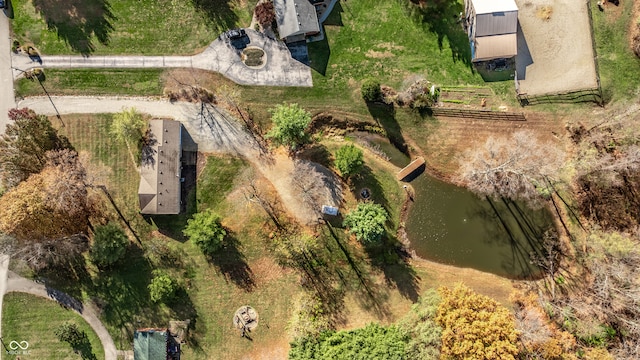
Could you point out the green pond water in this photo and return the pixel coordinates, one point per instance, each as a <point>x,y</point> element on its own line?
<point>451,225</point>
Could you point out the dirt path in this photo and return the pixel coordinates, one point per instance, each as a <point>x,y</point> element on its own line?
<point>212,129</point>
<point>17,283</point>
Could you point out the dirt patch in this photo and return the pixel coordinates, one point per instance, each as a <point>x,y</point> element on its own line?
<point>266,270</point>
<point>555,54</point>
<point>379,55</point>
<point>390,46</point>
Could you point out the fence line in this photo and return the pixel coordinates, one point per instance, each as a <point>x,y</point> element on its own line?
<point>478,114</point>
<point>587,95</point>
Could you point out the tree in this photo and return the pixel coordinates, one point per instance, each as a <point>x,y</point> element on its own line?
<point>162,288</point>
<point>367,221</point>
<point>48,213</point>
<point>24,144</point>
<point>373,342</point>
<point>128,127</point>
<point>371,90</point>
<point>109,245</point>
<point>475,326</point>
<point>265,13</point>
<point>349,160</point>
<point>290,123</point>
<point>515,168</point>
<point>420,325</point>
<point>50,205</point>
<point>205,231</point>
<point>70,333</point>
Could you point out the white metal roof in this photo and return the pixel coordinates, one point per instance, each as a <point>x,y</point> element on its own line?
<point>492,6</point>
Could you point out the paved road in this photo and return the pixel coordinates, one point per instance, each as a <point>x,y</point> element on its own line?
<point>280,69</point>
<point>17,283</point>
<point>7,100</point>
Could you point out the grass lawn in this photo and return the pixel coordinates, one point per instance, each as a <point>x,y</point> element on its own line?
<point>619,67</point>
<point>33,319</point>
<point>140,82</point>
<point>149,27</point>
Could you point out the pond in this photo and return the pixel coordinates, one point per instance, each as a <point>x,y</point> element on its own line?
<point>451,225</point>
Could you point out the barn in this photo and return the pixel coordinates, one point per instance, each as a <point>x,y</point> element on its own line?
<point>492,27</point>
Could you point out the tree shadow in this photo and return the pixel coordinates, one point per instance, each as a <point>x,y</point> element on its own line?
<point>8,11</point>
<point>391,257</point>
<point>219,12</point>
<point>441,17</point>
<point>232,263</point>
<point>85,349</point>
<point>122,295</point>
<point>385,115</point>
<point>522,229</point>
<point>147,151</point>
<point>317,153</point>
<point>77,21</point>
<point>369,295</point>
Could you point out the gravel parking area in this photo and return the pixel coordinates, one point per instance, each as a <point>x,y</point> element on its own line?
<point>555,49</point>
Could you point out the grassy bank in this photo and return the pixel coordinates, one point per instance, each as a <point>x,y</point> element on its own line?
<point>619,67</point>
<point>146,27</point>
<point>33,319</point>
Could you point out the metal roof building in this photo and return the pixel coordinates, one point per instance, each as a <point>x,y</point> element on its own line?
<point>492,27</point>
<point>160,171</point>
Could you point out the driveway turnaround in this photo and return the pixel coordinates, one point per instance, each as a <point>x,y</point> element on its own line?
<point>222,56</point>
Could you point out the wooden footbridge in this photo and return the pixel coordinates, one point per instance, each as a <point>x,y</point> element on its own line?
<point>409,169</point>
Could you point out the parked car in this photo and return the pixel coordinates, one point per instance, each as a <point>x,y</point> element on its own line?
<point>3,4</point>
<point>232,34</point>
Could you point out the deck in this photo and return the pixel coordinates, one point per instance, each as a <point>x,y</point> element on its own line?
<point>409,169</point>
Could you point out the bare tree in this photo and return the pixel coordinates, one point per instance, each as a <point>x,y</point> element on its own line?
<point>513,167</point>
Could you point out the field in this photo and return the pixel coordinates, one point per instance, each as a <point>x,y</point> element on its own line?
<point>33,319</point>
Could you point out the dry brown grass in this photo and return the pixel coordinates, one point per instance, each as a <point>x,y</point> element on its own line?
<point>544,12</point>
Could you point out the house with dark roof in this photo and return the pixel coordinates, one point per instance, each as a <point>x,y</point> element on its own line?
<point>160,171</point>
<point>296,19</point>
<point>155,344</point>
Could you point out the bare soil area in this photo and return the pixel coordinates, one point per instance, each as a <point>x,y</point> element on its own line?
<point>555,50</point>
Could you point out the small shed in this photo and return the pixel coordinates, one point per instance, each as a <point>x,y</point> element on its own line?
<point>155,344</point>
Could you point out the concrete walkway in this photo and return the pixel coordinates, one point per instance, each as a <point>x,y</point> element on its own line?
<point>222,56</point>
<point>16,283</point>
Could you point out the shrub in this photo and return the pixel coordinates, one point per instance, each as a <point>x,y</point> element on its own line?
<point>349,160</point>
<point>70,333</point>
<point>367,221</point>
<point>109,245</point>
<point>265,13</point>
<point>371,90</point>
<point>162,288</point>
